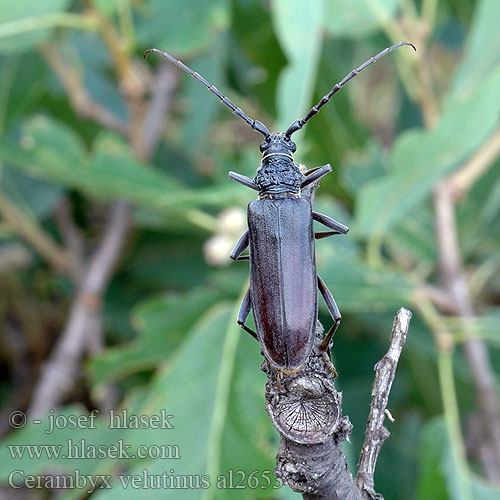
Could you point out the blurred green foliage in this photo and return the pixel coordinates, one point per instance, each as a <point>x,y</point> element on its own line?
<point>171,338</point>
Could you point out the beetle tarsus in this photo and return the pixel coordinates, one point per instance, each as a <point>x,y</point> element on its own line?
<point>334,313</point>
<point>248,330</point>
<point>245,307</point>
<point>279,378</point>
<point>325,344</point>
<point>329,365</point>
<point>324,234</point>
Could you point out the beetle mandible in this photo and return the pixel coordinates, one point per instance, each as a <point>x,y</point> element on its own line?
<point>280,236</point>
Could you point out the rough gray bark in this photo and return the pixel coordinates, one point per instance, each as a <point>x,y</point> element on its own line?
<point>376,433</point>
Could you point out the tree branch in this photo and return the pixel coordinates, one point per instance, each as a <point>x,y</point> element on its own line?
<point>71,237</point>
<point>84,324</point>
<point>159,105</point>
<point>438,296</point>
<point>376,433</point>
<point>80,99</point>
<point>306,410</point>
<point>60,371</point>
<point>455,282</point>
<point>464,178</point>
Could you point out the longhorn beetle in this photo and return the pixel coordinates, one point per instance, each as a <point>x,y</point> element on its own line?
<point>283,278</point>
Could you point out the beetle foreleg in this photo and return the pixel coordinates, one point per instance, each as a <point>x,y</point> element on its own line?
<point>329,222</point>
<point>246,305</point>
<point>334,313</point>
<point>243,179</point>
<point>240,247</point>
<point>315,174</point>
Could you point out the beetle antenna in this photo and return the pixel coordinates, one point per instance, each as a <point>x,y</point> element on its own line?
<point>255,124</point>
<point>298,124</point>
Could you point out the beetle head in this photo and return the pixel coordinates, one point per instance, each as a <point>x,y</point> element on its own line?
<point>277,144</point>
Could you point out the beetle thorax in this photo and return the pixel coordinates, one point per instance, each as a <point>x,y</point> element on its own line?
<point>278,172</point>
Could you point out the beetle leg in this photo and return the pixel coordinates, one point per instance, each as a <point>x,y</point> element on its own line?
<point>329,222</point>
<point>328,362</point>
<point>315,174</point>
<point>246,305</point>
<point>279,378</point>
<point>334,313</point>
<point>240,247</point>
<point>324,234</point>
<point>243,179</point>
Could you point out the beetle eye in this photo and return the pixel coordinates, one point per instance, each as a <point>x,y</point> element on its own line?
<point>263,146</point>
<point>290,144</point>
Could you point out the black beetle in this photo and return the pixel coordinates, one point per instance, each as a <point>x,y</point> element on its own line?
<point>283,279</point>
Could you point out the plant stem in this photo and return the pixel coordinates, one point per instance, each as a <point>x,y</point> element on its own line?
<point>429,8</point>
<point>452,420</point>
<point>28,229</point>
<point>59,20</point>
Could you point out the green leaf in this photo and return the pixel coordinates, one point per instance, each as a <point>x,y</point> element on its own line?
<point>482,490</point>
<point>114,172</point>
<point>53,152</point>
<point>109,7</point>
<point>203,107</point>
<point>358,288</point>
<point>47,149</point>
<point>161,323</point>
<point>179,27</point>
<point>482,50</point>
<point>21,14</point>
<point>32,195</point>
<point>299,30</point>
<point>90,55</point>
<point>484,326</point>
<point>420,158</point>
<point>289,494</point>
<point>357,18</point>
<point>214,389</point>
<point>53,141</point>
<point>438,477</point>
<point>478,216</point>
<point>23,80</point>
<point>414,237</point>
<point>433,441</point>
<point>365,168</point>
